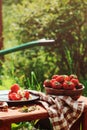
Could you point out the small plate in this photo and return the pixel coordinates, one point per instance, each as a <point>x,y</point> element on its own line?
<point>4,98</point>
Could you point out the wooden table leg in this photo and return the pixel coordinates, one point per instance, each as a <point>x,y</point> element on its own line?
<point>5,126</point>
<point>84,121</point>
<point>76,125</point>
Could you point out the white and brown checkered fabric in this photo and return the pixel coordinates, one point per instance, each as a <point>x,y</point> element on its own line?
<point>63,110</point>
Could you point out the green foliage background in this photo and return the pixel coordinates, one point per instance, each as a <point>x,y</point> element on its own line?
<point>65,21</point>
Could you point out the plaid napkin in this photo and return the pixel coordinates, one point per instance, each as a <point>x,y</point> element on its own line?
<point>63,110</point>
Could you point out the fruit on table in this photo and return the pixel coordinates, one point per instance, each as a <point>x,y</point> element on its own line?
<point>75,81</point>
<point>16,93</point>
<point>47,82</point>
<point>14,96</point>
<point>68,85</point>
<point>15,88</point>
<point>67,82</point>
<point>73,76</point>
<point>56,84</point>
<point>60,78</point>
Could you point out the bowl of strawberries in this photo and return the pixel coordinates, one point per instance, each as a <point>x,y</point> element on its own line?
<point>64,85</point>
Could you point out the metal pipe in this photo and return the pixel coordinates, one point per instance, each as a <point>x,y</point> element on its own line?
<point>41,42</point>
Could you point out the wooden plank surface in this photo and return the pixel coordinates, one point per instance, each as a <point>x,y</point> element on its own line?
<point>15,115</point>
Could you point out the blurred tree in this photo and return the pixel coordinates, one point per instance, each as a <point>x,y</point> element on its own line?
<point>64,20</point>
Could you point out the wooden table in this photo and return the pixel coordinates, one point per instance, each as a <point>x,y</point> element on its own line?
<point>14,116</point>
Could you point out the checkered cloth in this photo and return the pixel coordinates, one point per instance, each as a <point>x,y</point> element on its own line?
<point>63,110</point>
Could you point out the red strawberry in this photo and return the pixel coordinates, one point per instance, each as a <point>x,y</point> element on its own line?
<point>56,85</point>
<point>26,94</point>
<point>66,78</point>
<point>47,83</point>
<point>60,78</point>
<point>73,76</point>
<point>9,95</point>
<point>52,80</point>
<point>15,88</point>
<point>14,96</point>
<point>75,81</point>
<point>54,76</point>
<point>68,85</point>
